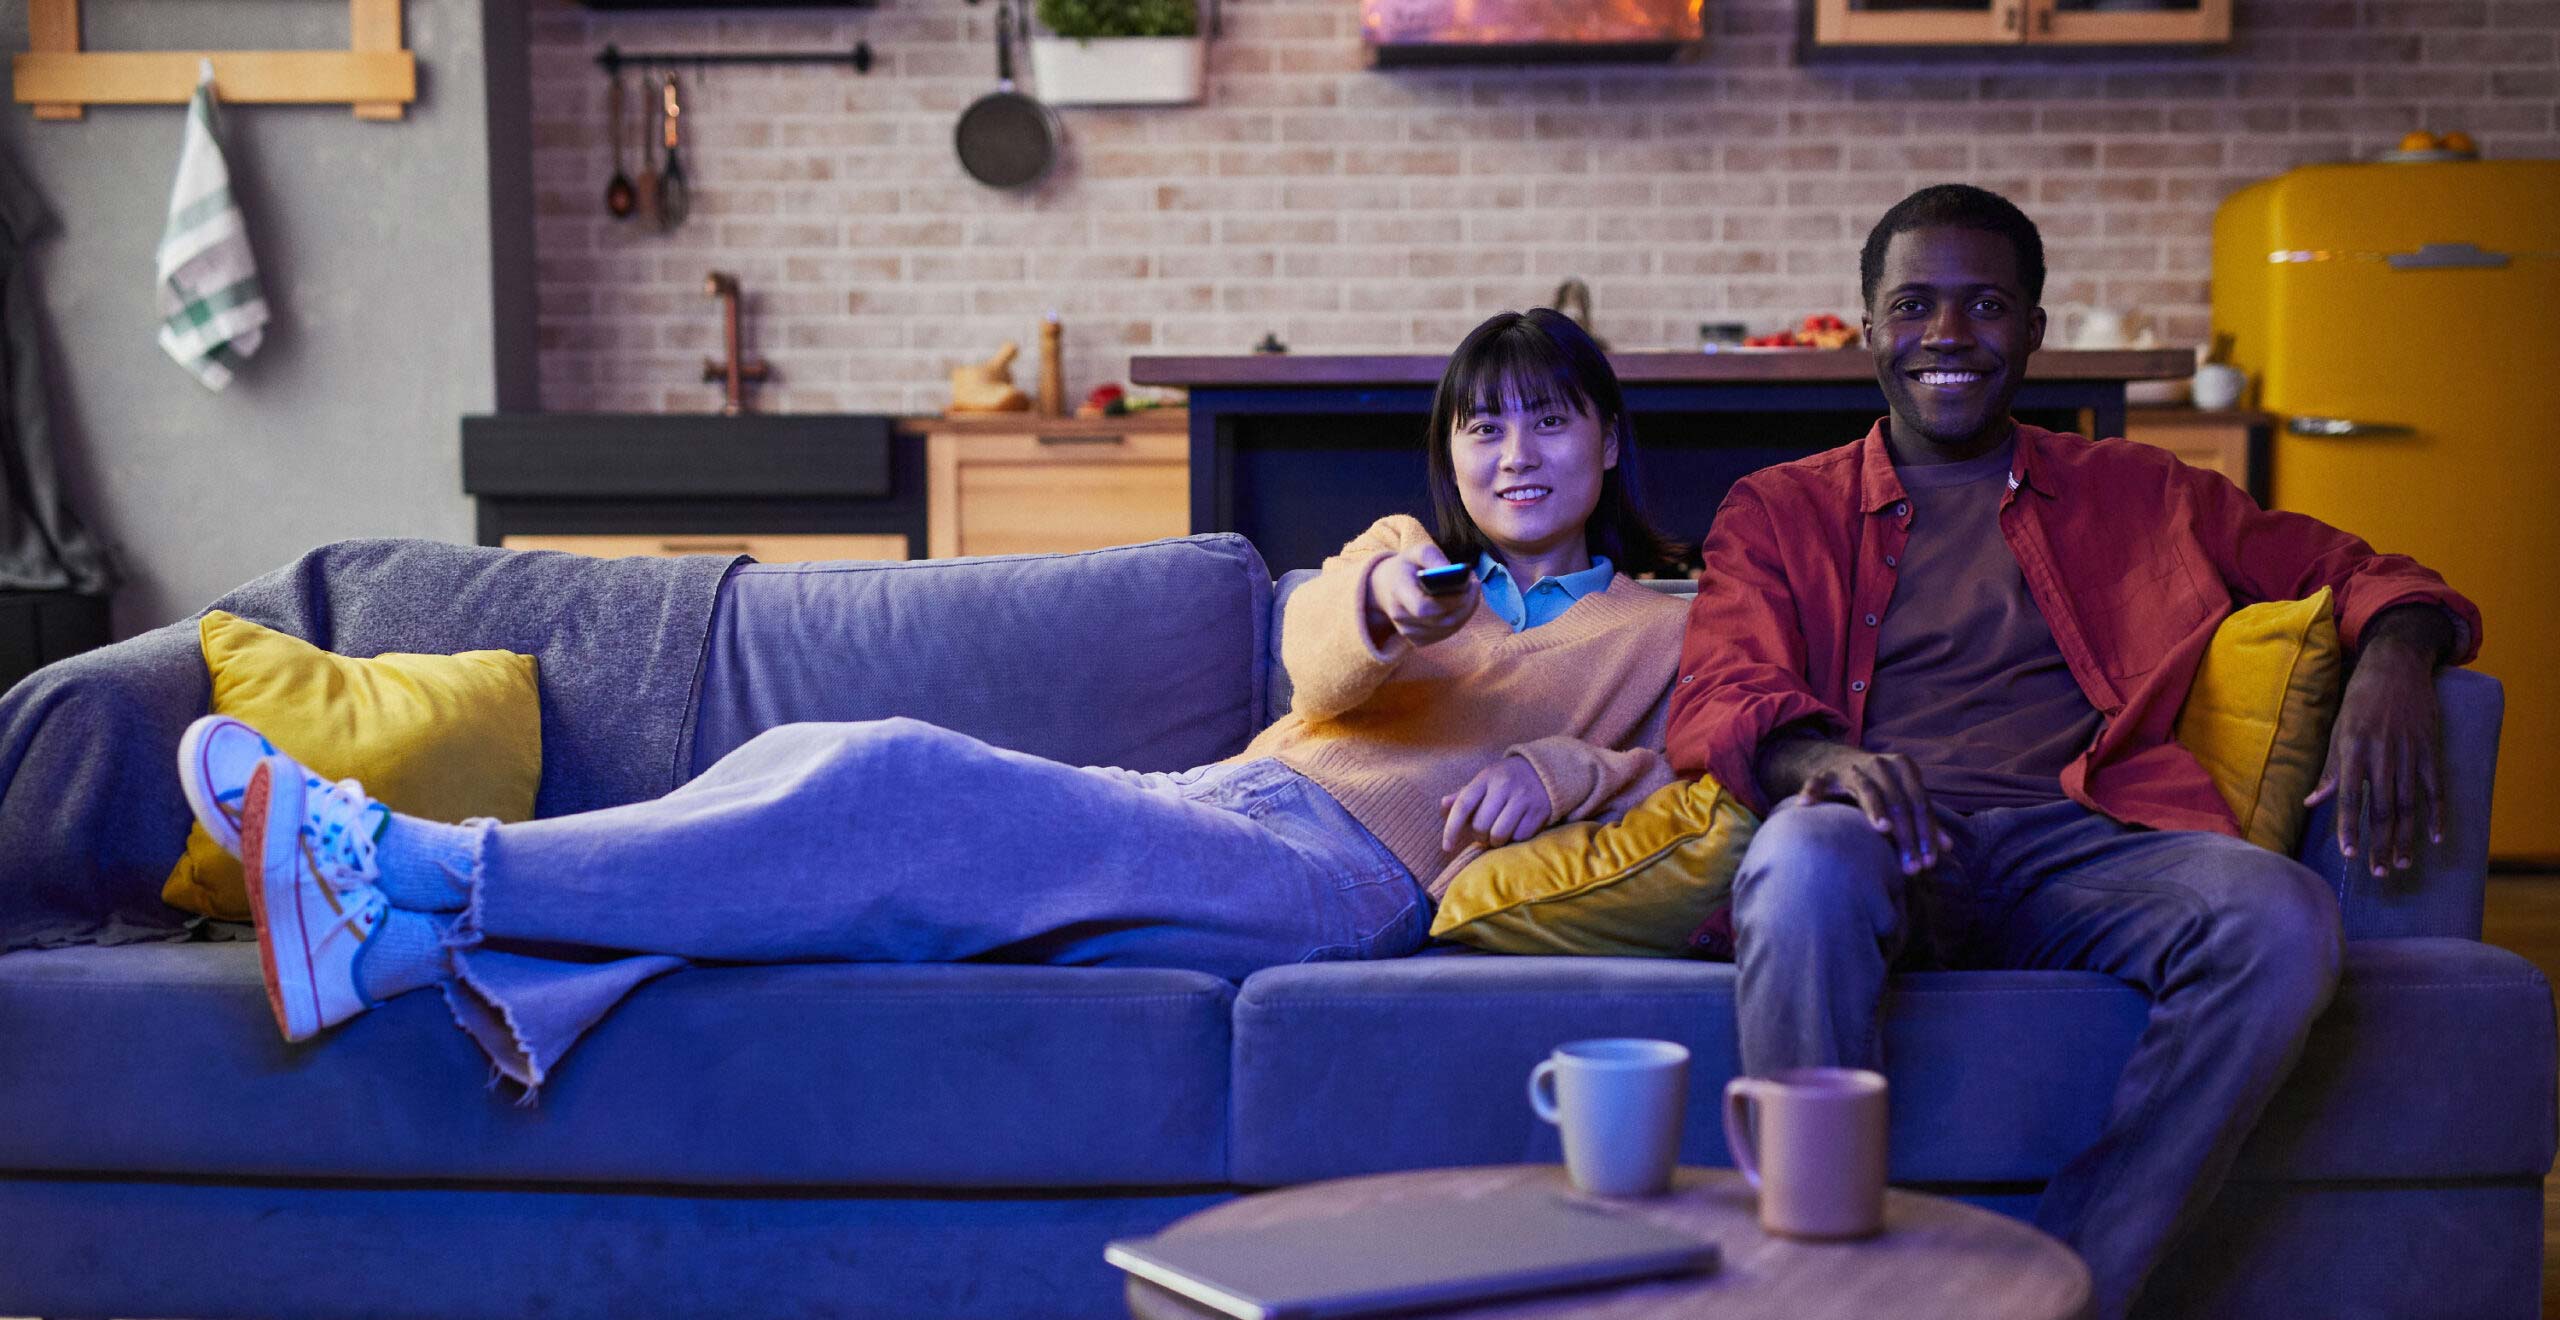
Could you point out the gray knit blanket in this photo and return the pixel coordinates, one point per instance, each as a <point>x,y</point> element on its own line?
<point>91,816</point>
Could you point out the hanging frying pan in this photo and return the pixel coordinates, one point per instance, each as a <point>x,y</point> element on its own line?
<point>1006,139</point>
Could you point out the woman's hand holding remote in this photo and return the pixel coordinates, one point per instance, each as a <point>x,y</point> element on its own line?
<point>1398,604</point>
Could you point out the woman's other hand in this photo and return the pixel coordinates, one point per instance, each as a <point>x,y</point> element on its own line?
<point>1398,604</point>
<point>1504,803</point>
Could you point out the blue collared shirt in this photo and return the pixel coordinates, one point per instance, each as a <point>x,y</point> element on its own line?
<point>1543,601</point>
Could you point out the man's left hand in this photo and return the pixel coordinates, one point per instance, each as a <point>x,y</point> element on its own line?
<point>2385,749</point>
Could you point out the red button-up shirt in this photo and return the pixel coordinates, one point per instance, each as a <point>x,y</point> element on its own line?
<point>2133,557</point>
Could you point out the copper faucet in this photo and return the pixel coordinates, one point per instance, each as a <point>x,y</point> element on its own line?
<point>737,371</point>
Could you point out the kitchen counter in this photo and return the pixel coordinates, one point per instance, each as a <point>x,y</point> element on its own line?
<point>1733,365</point>
<point>1145,420</point>
<point>1299,452</point>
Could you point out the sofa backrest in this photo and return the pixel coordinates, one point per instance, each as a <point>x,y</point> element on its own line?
<point>1149,657</point>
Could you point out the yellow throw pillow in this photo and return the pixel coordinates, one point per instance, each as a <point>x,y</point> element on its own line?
<point>2259,711</point>
<point>446,737</point>
<point>1638,886</point>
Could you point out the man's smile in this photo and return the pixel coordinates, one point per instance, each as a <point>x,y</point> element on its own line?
<point>1950,379</point>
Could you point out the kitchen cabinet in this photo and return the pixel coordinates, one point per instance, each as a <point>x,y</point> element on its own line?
<point>2234,444</point>
<point>1010,483</point>
<point>2020,22</point>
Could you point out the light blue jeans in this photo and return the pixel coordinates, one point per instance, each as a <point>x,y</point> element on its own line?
<point>2237,947</point>
<point>898,841</point>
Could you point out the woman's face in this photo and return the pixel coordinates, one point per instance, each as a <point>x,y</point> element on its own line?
<point>1529,474</point>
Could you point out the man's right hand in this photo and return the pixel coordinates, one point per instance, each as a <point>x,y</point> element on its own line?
<point>1398,604</point>
<point>1887,787</point>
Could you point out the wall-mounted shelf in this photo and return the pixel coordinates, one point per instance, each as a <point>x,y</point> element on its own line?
<point>374,74</point>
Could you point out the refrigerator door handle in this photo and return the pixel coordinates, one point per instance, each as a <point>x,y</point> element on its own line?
<point>2449,256</point>
<point>2345,428</point>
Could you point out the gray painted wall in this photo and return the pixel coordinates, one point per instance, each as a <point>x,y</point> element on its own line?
<point>374,241</point>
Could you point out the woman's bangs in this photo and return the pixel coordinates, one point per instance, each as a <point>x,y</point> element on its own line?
<point>1518,370</point>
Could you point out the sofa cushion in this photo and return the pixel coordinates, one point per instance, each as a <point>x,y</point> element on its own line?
<point>447,737</point>
<point>1638,886</point>
<point>2257,715</point>
<point>162,1059</point>
<point>2434,1061</point>
<point>1150,657</point>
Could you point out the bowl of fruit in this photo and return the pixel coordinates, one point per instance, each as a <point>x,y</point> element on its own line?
<point>1820,330</point>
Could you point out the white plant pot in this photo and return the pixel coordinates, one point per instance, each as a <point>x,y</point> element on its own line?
<point>1118,70</point>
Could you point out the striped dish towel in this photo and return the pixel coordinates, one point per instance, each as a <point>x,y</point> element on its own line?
<point>212,312</point>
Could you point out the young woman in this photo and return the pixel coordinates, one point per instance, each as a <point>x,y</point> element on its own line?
<point>1426,725</point>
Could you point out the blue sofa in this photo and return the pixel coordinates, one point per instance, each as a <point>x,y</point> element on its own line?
<point>959,1141</point>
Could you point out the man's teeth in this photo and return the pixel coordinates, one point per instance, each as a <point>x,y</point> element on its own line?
<point>1949,377</point>
<point>1525,493</point>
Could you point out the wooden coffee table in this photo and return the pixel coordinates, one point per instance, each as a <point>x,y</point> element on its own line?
<point>1935,1258</point>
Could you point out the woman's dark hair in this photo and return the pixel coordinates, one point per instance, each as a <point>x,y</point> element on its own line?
<point>1521,358</point>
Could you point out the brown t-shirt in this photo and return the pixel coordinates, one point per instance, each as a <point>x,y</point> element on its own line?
<point>1969,683</point>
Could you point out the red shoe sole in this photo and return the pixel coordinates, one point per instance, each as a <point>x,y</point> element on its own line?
<point>253,853</point>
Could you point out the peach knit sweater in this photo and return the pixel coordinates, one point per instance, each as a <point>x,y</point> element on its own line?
<point>1389,731</point>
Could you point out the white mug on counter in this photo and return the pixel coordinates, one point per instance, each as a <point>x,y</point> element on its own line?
<point>2218,385</point>
<point>1620,1104</point>
<point>1811,1142</point>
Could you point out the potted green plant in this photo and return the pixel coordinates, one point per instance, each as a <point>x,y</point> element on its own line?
<point>1119,52</point>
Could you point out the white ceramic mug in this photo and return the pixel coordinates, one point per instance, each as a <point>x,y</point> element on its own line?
<point>1619,1104</point>
<point>2218,385</point>
<point>1811,1142</point>
<point>2101,327</point>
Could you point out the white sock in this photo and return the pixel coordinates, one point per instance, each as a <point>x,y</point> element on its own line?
<point>406,952</point>
<point>426,865</point>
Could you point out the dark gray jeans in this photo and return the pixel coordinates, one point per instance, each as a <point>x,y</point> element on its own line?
<point>2237,947</point>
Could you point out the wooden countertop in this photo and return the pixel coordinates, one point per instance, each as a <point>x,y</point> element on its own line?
<point>1017,423</point>
<point>1741,365</point>
<point>2177,413</point>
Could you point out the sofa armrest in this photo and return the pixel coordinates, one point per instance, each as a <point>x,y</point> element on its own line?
<point>91,815</point>
<point>2443,893</point>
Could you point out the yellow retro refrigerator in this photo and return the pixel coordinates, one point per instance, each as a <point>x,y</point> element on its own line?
<point>2402,320</point>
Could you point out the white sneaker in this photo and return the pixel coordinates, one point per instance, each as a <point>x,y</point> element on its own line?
<point>214,761</point>
<point>307,849</point>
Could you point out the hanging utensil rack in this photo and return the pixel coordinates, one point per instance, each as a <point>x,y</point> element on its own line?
<point>613,59</point>
<point>374,74</point>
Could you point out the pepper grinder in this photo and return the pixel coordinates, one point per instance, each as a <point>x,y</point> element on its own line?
<point>1053,384</point>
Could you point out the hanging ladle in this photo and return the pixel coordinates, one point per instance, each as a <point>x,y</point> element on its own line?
<point>620,198</point>
<point>671,187</point>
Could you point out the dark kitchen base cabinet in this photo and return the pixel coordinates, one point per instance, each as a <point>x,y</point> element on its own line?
<point>776,487</point>
<point>1299,453</point>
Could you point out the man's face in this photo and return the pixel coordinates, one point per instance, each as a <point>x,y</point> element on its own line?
<point>1951,330</point>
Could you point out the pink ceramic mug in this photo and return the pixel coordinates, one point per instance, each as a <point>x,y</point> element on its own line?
<point>1811,1142</point>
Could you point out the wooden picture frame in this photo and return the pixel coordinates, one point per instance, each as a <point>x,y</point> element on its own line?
<point>374,75</point>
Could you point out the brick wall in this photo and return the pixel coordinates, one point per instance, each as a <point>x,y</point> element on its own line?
<point>1349,209</point>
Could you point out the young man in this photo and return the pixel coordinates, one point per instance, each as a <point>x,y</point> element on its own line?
<point>1943,662</point>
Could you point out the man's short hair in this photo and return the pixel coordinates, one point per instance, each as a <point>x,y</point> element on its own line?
<point>1956,206</point>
